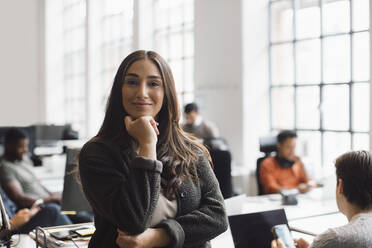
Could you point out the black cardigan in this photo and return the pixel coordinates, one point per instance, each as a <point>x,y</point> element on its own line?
<point>123,190</point>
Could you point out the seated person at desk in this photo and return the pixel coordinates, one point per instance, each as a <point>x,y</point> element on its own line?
<point>16,176</point>
<point>195,124</point>
<point>25,220</point>
<point>285,170</point>
<point>354,200</point>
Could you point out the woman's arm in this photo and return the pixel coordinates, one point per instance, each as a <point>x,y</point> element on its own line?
<point>204,223</point>
<point>121,190</point>
<point>152,237</point>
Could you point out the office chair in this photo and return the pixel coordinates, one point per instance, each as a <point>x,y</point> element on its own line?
<point>221,158</point>
<point>268,147</point>
<point>73,197</point>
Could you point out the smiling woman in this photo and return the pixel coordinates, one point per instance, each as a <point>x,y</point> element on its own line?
<point>149,183</point>
<point>143,90</point>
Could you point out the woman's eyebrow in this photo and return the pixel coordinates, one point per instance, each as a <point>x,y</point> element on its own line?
<point>135,75</point>
<point>154,76</point>
<point>131,74</point>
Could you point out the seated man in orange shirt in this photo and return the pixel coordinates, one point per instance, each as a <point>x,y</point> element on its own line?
<point>285,170</point>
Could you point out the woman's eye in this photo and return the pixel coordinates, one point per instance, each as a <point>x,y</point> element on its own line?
<point>131,82</point>
<point>154,84</point>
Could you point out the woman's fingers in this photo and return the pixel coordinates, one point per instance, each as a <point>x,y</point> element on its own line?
<point>154,124</point>
<point>128,121</point>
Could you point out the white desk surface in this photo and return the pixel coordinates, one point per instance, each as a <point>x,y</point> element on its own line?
<point>312,204</point>
<point>22,241</point>
<point>319,224</point>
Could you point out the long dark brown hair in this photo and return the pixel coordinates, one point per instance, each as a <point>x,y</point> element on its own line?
<point>178,151</point>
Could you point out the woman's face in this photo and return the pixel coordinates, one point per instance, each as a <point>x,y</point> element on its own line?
<point>143,89</point>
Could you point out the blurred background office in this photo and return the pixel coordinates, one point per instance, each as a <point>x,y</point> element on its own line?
<point>253,67</point>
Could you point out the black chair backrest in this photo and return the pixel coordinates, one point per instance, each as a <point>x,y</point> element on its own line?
<point>222,169</point>
<point>216,144</point>
<point>268,144</point>
<point>221,158</point>
<point>268,147</point>
<point>259,184</point>
<point>73,198</point>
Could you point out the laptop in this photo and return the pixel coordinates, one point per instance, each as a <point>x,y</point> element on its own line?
<point>254,229</point>
<point>73,198</point>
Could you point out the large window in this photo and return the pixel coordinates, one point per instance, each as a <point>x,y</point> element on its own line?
<point>74,76</point>
<point>95,36</point>
<point>319,75</point>
<point>116,38</point>
<point>174,40</point>
<point>115,43</point>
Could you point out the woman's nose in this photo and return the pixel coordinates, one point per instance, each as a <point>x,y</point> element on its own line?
<point>142,90</point>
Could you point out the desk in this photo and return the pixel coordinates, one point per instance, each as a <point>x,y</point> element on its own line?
<point>44,235</point>
<point>310,205</point>
<point>22,241</point>
<point>318,224</point>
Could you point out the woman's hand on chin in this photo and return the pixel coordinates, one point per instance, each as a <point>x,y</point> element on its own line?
<point>144,129</point>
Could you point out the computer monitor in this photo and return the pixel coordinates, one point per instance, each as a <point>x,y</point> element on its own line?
<point>254,229</point>
<point>73,198</point>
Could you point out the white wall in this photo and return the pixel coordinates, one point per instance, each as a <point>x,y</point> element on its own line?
<point>255,75</point>
<point>218,68</point>
<point>21,59</point>
<point>231,72</point>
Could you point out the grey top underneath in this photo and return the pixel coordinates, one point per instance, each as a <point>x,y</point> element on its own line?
<point>357,233</point>
<point>165,209</point>
<point>22,171</point>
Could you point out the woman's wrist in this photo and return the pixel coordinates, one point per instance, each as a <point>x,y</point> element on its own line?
<point>158,237</point>
<point>147,151</point>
